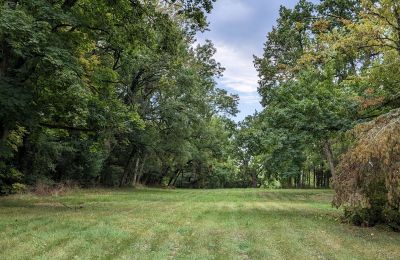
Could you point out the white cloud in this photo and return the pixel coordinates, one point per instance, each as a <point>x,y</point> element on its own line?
<point>238,29</point>
<point>252,99</point>
<point>240,74</point>
<point>232,11</point>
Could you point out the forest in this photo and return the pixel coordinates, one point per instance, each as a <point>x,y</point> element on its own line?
<point>119,93</point>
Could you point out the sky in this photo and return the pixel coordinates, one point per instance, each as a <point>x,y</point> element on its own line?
<point>238,29</point>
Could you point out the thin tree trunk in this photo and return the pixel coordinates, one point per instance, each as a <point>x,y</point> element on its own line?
<point>177,177</point>
<point>127,168</point>
<point>176,174</point>
<point>328,180</point>
<point>254,178</point>
<point>329,157</point>
<point>194,172</point>
<point>301,179</point>
<point>4,133</point>
<point>163,173</point>
<point>141,170</point>
<point>3,137</point>
<point>135,173</point>
<point>315,177</point>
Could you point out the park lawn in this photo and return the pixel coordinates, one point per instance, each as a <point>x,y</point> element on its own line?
<point>186,224</point>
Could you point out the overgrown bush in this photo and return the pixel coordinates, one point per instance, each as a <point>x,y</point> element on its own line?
<point>367,184</point>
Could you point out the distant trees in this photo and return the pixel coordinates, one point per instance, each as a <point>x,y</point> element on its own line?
<point>249,146</point>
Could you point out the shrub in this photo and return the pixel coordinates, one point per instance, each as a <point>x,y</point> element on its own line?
<point>392,217</point>
<point>8,177</point>
<point>18,188</point>
<point>367,184</point>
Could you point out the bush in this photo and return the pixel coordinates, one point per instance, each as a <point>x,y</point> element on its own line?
<point>18,188</point>
<point>367,183</point>
<point>392,217</point>
<point>272,184</point>
<point>365,217</point>
<point>9,177</point>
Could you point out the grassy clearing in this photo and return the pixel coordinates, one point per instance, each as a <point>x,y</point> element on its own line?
<point>195,224</point>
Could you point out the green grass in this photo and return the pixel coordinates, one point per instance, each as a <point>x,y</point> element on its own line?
<point>186,224</point>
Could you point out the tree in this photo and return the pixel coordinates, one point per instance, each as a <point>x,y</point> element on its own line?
<point>101,92</point>
<point>306,105</point>
<point>285,44</point>
<point>338,95</point>
<point>248,139</point>
<point>366,184</point>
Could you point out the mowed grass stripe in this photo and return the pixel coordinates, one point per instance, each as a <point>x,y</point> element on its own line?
<point>186,224</point>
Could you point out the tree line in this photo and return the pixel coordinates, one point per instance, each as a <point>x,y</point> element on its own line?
<point>111,93</point>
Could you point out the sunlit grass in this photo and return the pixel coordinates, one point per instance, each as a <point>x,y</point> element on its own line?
<point>192,224</point>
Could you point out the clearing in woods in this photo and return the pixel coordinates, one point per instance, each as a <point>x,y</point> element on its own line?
<point>195,224</point>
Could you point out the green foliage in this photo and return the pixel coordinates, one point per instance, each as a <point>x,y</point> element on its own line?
<point>107,92</point>
<point>307,104</point>
<point>285,44</point>
<point>391,216</point>
<point>18,188</point>
<point>329,82</point>
<point>10,179</point>
<point>370,212</point>
<point>272,184</point>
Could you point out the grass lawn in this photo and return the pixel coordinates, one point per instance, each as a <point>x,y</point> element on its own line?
<point>186,224</point>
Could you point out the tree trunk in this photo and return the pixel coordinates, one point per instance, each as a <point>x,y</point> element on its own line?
<point>24,154</point>
<point>164,172</point>
<point>3,137</point>
<point>254,178</point>
<point>328,177</point>
<point>3,133</point>
<point>135,173</point>
<point>127,168</point>
<point>329,157</point>
<point>194,172</point>
<point>301,179</point>
<point>176,174</point>
<point>141,170</point>
<point>177,177</point>
<point>315,177</point>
